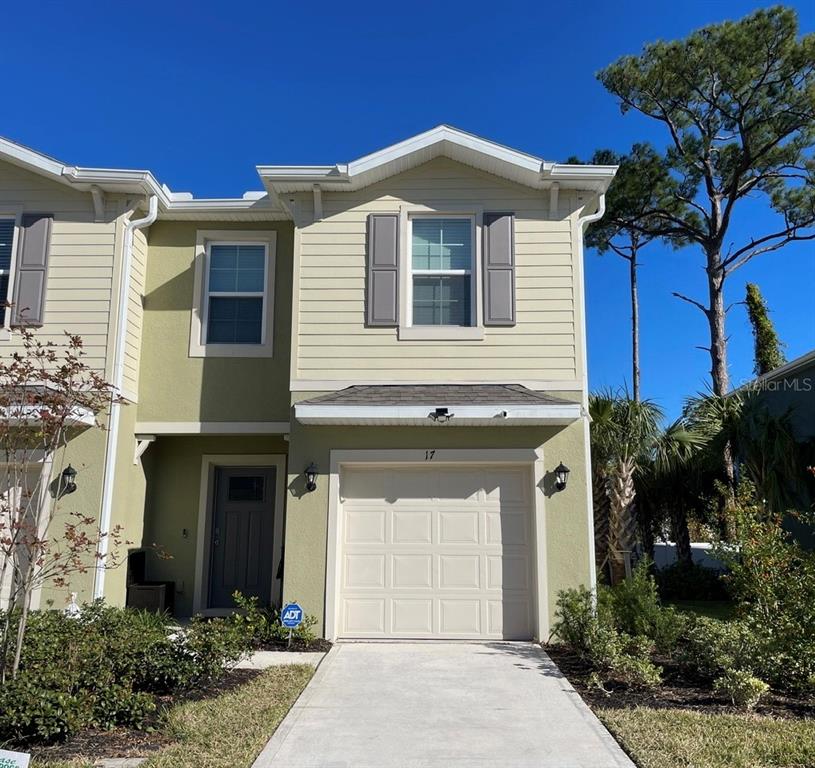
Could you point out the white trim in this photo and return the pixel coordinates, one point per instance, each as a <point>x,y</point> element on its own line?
<point>11,211</point>
<point>531,458</point>
<point>208,464</point>
<point>168,428</point>
<point>331,385</point>
<point>205,238</point>
<point>442,140</point>
<point>464,415</point>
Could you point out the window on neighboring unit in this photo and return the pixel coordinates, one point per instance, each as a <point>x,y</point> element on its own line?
<point>236,293</point>
<point>441,259</point>
<point>6,253</point>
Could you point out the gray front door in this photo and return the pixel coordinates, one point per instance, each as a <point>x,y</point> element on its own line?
<point>242,535</point>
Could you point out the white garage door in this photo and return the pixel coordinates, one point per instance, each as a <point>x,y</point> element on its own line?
<point>441,552</point>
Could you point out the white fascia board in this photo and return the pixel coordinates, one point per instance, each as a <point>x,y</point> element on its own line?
<point>594,177</point>
<point>35,161</point>
<point>419,415</point>
<point>30,415</point>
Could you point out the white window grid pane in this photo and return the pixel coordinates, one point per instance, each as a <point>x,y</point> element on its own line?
<point>236,293</point>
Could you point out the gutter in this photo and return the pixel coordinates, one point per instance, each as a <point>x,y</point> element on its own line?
<point>118,380</point>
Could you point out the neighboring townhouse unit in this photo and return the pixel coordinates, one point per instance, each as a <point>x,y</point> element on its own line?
<point>354,389</point>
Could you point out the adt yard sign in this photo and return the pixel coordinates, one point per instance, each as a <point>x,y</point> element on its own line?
<point>13,759</point>
<point>291,616</point>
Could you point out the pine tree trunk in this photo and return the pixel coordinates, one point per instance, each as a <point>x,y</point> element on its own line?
<point>719,376</point>
<point>635,325</point>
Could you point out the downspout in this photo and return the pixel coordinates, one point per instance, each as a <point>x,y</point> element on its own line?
<point>118,380</point>
<point>582,223</point>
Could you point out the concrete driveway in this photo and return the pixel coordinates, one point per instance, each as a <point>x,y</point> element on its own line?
<point>434,705</point>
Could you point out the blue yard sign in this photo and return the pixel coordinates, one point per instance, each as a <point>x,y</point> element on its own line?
<point>291,616</point>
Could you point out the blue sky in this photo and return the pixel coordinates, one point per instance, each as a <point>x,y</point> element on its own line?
<point>201,92</point>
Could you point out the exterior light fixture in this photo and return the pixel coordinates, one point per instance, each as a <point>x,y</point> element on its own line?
<point>441,415</point>
<point>561,476</point>
<point>310,473</point>
<point>67,483</point>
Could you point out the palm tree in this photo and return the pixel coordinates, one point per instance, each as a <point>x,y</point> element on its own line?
<point>674,473</point>
<point>621,440</point>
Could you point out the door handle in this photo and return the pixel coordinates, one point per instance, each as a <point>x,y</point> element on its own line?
<point>216,540</point>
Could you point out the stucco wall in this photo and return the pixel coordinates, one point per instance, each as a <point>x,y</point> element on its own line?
<point>173,469</point>
<point>176,387</point>
<point>567,525</point>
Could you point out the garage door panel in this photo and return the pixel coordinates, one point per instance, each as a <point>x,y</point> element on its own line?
<point>459,572</point>
<point>412,526</point>
<point>365,526</point>
<point>364,617</point>
<point>365,571</point>
<point>441,552</point>
<point>508,618</point>
<point>507,572</point>
<point>412,571</point>
<point>459,617</point>
<point>412,617</point>
<point>458,527</point>
<point>507,527</point>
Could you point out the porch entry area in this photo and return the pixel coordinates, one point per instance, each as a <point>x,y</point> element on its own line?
<point>241,539</point>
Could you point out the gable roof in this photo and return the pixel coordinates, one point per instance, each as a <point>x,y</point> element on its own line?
<point>443,140</point>
<point>117,180</point>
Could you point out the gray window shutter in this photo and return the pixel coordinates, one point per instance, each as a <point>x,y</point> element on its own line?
<point>499,269</point>
<point>383,270</point>
<point>31,269</point>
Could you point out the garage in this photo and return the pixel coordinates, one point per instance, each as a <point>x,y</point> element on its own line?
<point>442,552</point>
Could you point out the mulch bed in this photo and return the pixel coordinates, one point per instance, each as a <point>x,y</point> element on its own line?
<point>678,691</point>
<point>92,744</point>
<point>318,646</point>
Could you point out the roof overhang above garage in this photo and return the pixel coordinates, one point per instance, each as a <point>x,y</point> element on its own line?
<point>478,405</point>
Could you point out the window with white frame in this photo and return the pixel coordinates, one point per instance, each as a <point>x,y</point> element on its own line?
<point>236,293</point>
<point>6,254</point>
<point>442,264</point>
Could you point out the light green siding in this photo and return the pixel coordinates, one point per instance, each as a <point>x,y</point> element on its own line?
<point>173,469</point>
<point>176,387</point>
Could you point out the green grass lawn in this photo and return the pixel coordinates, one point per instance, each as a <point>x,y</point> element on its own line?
<point>227,731</point>
<point>670,738</point>
<point>713,609</point>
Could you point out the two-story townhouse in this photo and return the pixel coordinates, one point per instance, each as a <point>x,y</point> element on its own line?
<point>359,390</point>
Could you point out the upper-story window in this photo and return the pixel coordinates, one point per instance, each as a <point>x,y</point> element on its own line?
<point>6,252</point>
<point>442,261</point>
<point>236,292</point>
<point>233,299</point>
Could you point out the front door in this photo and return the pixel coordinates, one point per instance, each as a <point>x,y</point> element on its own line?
<point>242,535</point>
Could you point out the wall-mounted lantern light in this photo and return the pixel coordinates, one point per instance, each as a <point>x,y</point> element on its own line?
<point>310,474</point>
<point>441,415</point>
<point>561,476</point>
<point>67,483</point>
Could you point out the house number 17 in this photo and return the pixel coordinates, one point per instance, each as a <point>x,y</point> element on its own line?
<point>428,455</point>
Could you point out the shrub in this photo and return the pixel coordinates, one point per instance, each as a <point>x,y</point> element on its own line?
<point>264,627</point>
<point>741,687</point>
<point>105,667</point>
<point>636,609</point>
<point>773,580</point>
<point>691,582</point>
<point>710,647</point>
<point>614,655</point>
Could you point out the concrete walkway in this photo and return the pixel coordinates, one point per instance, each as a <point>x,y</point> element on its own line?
<point>436,704</point>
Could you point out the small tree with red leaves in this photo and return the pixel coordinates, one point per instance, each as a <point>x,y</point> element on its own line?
<point>48,395</point>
